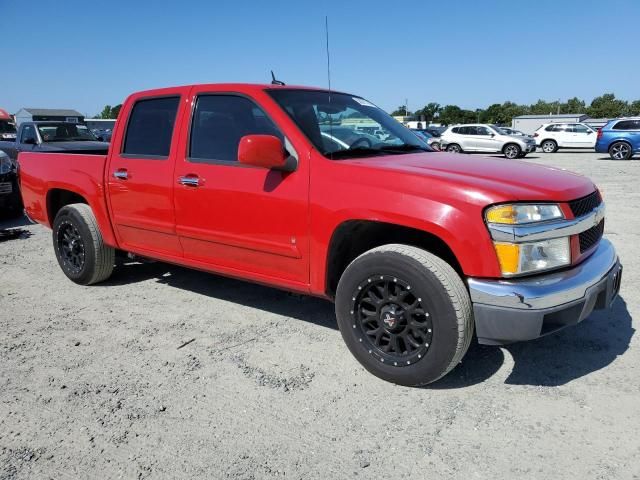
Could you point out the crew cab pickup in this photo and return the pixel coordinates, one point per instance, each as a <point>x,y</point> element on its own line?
<point>52,137</point>
<point>417,249</point>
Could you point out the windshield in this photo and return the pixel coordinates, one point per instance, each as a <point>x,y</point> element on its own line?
<point>7,127</point>
<point>344,126</point>
<point>65,132</point>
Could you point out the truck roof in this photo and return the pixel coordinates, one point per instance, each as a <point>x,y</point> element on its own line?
<point>236,86</point>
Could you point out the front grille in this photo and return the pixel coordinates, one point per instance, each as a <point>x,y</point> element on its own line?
<point>584,205</point>
<point>591,237</point>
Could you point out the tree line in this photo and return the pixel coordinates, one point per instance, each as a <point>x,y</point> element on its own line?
<point>109,112</point>
<point>604,106</point>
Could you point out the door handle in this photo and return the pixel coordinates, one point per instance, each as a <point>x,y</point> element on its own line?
<point>121,173</point>
<point>189,180</point>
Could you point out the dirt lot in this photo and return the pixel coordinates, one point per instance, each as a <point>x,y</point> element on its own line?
<point>93,384</point>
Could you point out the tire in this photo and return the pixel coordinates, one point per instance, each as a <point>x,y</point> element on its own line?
<point>549,146</point>
<point>413,276</point>
<point>454,148</point>
<point>512,151</point>
<point>620,151</point>
<point>80,249</point>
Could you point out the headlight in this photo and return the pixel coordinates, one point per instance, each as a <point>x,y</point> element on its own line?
<point>518,214</point>
<point>520,258</point>
<point>5,164</point>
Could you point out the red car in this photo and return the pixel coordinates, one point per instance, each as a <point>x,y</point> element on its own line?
<point>416,248</point>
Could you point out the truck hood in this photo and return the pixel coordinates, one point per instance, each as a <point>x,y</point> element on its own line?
<point>487,179</point>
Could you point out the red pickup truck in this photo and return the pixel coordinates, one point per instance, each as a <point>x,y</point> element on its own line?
<point>280,185</point>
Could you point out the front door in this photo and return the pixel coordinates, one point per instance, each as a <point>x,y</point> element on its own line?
<point>140,177</point>
<point>486,140</point>
<point>583,136</point>
<point>238,219</point>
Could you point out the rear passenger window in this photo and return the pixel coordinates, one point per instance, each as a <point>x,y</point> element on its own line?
<point>220,121</point>
<point>627,125</point>
<point>150,127</point>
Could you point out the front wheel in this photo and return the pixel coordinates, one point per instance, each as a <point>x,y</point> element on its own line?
<point>404,313</point>
<point>511,151</point>
<point>80,249</point>
<point>620,151</point>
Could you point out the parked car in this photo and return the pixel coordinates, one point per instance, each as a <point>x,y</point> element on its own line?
<point>417,249</point>
<point>485,138</point>
<point>552,136</point>
<point>53,137</point>
<point>433,142</point>
<point>619,138</point>
<point>7,129</point>
<point>10,201</point>
<point>102,134</point>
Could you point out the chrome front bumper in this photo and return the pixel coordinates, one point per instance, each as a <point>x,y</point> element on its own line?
<point>513,310</point>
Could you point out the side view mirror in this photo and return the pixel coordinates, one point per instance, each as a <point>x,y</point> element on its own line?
<point>265,151</point>
<point>492,135</point>
<point>29,141</point>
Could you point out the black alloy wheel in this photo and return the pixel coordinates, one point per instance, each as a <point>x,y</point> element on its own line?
<point>392,321</point>
<point>71,247</point>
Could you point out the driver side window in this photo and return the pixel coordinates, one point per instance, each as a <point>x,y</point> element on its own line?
<point>218,124</point>
<point>28,133</point>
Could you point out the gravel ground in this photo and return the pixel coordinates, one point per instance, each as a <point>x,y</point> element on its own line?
<point>94,384</point>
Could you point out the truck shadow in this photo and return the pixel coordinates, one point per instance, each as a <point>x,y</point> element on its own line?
<point>549,361</point>
<point>310,309</point>
<point>553,360</point>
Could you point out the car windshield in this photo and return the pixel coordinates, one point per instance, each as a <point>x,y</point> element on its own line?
<point>344,126</point>
<point>65,132</point>
<point>7,127</point>
<point>502,130</point>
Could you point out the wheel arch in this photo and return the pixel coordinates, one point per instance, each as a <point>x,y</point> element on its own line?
<point>352,238</point>
<point>58,197</point>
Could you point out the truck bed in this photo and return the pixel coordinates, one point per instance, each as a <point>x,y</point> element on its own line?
<point>43,176</point>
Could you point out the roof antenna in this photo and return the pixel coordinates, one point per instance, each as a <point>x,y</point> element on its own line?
<point>274,81</point>
<point>326,32</point>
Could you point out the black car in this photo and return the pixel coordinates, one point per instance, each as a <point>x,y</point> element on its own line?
<point>10,200</point>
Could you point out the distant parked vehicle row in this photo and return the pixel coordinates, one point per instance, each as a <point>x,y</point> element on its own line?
<point>619,138</point>
<point>485,138</point>
<point>552,136</point>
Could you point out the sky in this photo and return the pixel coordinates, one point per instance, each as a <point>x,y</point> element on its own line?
<point>86,54</point>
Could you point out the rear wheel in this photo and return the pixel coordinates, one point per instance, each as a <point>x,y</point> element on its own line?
<point>454,148</point>
<point>620,151</point>
<point>511,150</point>
<point>79,247</point>
<point>404,313</point>
<point>549,146</point>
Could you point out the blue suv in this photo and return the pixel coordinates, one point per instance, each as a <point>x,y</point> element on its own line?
<point>620,138</point>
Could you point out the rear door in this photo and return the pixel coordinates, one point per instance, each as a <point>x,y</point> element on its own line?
<point>235,218</point>
<point>140,175</point>
<point>562,134</point>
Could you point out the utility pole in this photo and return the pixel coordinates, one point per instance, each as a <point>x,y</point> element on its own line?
<point>406,107</point>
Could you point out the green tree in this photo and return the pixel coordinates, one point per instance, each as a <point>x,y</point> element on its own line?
<point>574,105</point>
<point>115,111</point>
<point>607,106</point>
<point>106,112</point>
<point>544,108</point>
<point>400,111</point>
<point>634,108</point>
<point>429,111</point>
